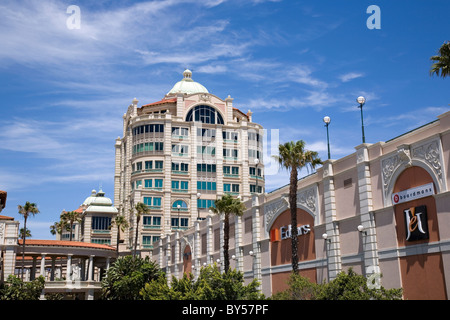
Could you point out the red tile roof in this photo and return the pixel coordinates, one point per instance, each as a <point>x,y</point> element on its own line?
<point>6,218</point>
<point>161,102</point>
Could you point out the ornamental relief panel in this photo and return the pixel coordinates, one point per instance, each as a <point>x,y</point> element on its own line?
<point>272,210</point>
<point>306,198</point>
<point>428,153</point>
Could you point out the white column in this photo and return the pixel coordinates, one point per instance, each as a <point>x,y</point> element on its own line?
<point>256,237</point>
<point>197,252</point>
<point>91,268</point>
<point>69,267</point>
<point>369,237</point>
<point>52,272</point>
<point>331,226</point>
<point>42,271</point>
<point>238,244</point>
<point>177,255</point>
<point>168,259</point>
<point>209,241</point>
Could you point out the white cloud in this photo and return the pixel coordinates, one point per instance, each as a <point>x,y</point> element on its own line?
<point>350,76</point>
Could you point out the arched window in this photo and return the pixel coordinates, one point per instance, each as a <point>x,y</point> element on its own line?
<point>204,114</point>
<point>183,204</point>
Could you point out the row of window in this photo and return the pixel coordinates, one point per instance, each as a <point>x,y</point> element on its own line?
<point>148,147</point>
<point>148,165</point>
<point>101,223</point>
<point>184,186</point>
<point>201,167</point>
<point>211,133</point>
<point>184,149</point>
<point>148,128</point>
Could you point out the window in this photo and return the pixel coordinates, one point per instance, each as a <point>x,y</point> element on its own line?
<point>206,150</point>
<point>151,221</point>
<point>235,170</point>
<point>180,222</point>
<point>204,114</point>
<point>148,165</point>
<point>253,153</point>
<point>203,203</point>
<point>203,167</point>
<point>253,171</point>
<point>253,136</point>
<point>226,170</point>
<point>148,201</point>
<point>148,183</point>
<point>206,133</point>
<point>147,240</point>
<point>156,221</point>
<point>180,185</point>
<point>179,148</point>
<point>158,164</point>
<point>181,203</point>
<point>176,131</point>
<point>152,201</point>
<point>206,185</point>
<point>232,153</point>
<point>139,166</point>
<point>230,135</point>
<point>228,187</point>
<point>180,166</point>
<point>101,223</point>
<point>148,128</point>
<point>138,183</point>
<point>253,188</point>
<point>148,147</point>
<point>158,183</point>
<point>157,202</point>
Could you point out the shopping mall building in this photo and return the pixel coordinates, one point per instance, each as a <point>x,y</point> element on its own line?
<point>383,210</point>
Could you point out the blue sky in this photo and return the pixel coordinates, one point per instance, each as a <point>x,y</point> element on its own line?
<point>63,91</point>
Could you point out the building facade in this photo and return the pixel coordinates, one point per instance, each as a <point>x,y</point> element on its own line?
<point>383,210</point>
<point>179,154</point>
<point>95,225</point>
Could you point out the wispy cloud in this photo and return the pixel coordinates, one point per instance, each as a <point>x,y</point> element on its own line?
<point>350,76</point>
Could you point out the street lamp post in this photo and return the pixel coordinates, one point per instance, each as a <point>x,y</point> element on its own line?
<point>327,121</point>
<point>361,100</point>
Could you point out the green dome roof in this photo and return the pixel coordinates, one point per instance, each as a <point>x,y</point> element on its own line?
<point>187,85</point>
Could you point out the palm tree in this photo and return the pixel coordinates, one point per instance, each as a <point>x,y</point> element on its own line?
<point>121,224</point>
<point>294,157</point>
<point>227,206</point>
<point>69,218</point>
<point>141,208</point>
<point>27,233</point>
<point>442,64</point>
<point>25,211</point>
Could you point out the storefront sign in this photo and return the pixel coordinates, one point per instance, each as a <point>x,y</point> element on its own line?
<point>416,223</point>
<point>286,232</point>
<point>413,193</point>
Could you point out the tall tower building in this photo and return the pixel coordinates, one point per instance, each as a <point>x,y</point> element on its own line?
<point>178,155</point>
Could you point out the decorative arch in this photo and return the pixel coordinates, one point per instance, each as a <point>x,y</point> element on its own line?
<point>427,155</point>
<point>389,188</point>
<point>182,203</point>
<point>307,200</point>
<point>204,113</point>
